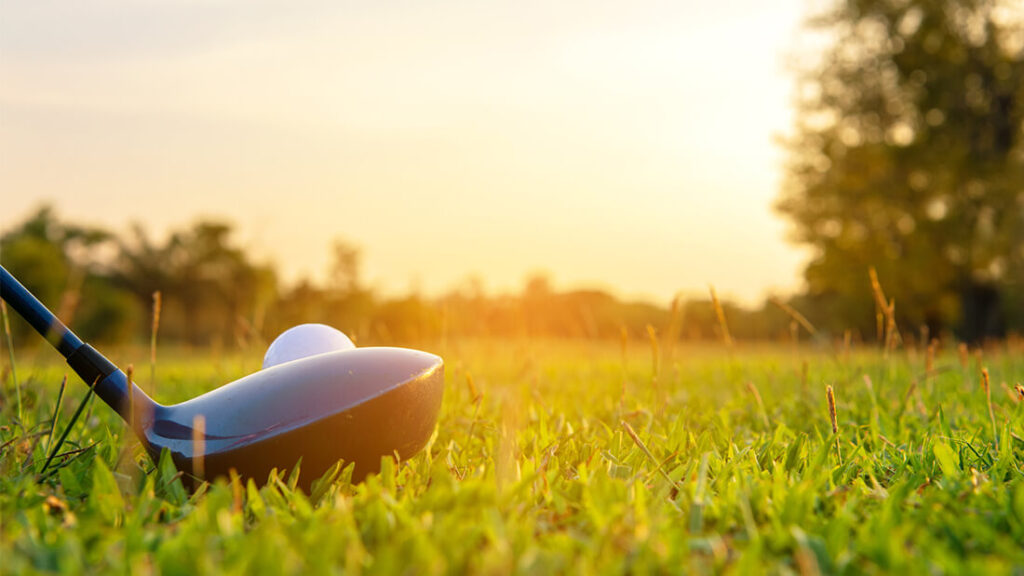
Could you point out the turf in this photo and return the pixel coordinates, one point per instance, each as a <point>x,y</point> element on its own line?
<point>578,457</point>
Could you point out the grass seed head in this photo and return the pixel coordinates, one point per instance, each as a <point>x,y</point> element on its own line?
<point>129,372</point>
<point>988,400</point>
<point>652,335</point>
<point>474,394</point>
<point>157,305</point>
<point>830,394</point>
<point>929,363</point>
<point>760,403</point>
<point>832,409</point>
<point>720,313</point>
<point>795,315</point>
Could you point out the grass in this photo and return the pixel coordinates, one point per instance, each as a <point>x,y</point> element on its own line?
<point>579,457</point>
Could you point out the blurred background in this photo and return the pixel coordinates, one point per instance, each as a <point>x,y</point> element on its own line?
<point>407,171</point>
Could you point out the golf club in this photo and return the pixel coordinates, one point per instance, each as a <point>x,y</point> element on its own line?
<point>355,405</point>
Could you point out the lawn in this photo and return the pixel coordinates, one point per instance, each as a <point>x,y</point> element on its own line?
<point>581,457</point>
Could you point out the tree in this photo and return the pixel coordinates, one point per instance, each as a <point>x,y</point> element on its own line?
<point>211,290</point>
<point>907,156</point>
<point>63,265</point>
<point>349,304</point>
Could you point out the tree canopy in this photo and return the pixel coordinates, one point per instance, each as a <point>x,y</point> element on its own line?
<point>907,156</point>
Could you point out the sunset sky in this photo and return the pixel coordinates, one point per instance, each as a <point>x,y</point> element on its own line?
<point>628,146</point>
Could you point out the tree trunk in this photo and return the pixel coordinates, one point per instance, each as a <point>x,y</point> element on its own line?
<point>982,312</point>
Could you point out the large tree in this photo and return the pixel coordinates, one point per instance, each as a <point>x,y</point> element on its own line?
<point>907,156</point>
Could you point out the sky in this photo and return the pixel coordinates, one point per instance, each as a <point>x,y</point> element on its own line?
<point>626,146</point>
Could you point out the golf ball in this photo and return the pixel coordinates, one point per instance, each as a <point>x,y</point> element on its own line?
<point>305,340</point>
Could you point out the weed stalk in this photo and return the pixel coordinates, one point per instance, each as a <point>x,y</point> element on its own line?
<point>157,304</point>
<point>720,313</point>
<point>56,411</point>
<point>835,422</point>
<point>986,384</point>
<point>10,351</point>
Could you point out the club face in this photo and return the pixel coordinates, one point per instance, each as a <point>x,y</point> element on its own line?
<point>354,405</point>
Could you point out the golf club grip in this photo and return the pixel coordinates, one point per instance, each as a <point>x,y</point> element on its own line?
<point>38,316</point>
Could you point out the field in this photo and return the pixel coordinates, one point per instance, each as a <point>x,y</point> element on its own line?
<point>551,457</point>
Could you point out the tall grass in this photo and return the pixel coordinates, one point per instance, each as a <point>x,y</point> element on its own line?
<point>10,352</point>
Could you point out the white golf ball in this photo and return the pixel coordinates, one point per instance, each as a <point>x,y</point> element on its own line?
<point>303,341</point>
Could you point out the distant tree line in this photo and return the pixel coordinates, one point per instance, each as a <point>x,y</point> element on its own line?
<point>213,293</point>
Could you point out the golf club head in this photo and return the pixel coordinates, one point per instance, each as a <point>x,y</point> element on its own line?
<point>355,405</point>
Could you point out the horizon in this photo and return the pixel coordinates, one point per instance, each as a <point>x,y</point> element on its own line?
<point>624,149</point>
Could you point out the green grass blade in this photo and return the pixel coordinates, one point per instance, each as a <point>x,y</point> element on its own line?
<point>10,351</point>
<point>56,411</point>
<point>67,429</point>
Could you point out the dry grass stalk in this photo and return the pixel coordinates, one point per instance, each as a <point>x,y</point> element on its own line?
<point>929,360</point>
<point>795,315</point>
<point>830,395</point>
<point>71,296</point>
<point>964,356</point>
<point>906,397</point>
<point>1010,392</point>
<point>237,491</point>
<point>660,467</point>
<point>474,394</point>
<point>10,351</point>
<point>672,331</point>
<point>726,337</point>
<point>760,404</point>
<point>886,308</point>
<point>881,303</point>
<point>891,334</point>
<point>987,386</point>
<point>652,335</point>
<point>199,446</point>
<point>624,348</point>
<point>157,304</point>
<point>506,464</point>
<point>129,373</point>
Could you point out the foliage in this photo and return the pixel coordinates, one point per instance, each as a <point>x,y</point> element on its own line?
<point>213,293</point>
<point>210,288</point>
<point>58,262</point>
<point>908,156</point>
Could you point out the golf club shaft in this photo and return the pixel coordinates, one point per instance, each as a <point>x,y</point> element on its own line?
<point>93,368</point>
<point>37,315</point>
